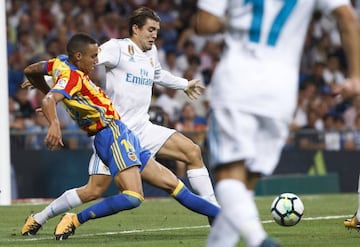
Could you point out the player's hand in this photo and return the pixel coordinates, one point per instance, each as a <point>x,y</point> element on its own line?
<point>348,89</point>
<point>53,139</point>
<point>194,89</point>
<point>27,84</point>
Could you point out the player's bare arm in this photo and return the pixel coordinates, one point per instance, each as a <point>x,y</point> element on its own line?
<point>53,139</point>
<point>350,33</point>
<point>207,23</point>
<point>35,75</point>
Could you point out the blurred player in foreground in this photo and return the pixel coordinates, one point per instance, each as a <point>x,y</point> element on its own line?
<point>254,94</point>
<point>114,143</point>
<point>354,222</point>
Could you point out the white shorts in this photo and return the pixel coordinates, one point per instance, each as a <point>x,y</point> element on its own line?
<point>151,136</point>
<point>235,135</point>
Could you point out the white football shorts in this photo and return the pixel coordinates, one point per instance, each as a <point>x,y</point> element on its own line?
<point>151,136</point>
<point>235,135</point>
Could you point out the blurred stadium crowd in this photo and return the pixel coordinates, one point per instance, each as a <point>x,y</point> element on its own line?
<point>39,29</point>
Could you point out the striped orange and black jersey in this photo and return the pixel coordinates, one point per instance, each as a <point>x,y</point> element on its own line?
<point>86,103</point>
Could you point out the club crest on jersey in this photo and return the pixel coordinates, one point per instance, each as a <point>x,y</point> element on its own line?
<point>132,156</point>
<point>131,53</point>
<point>152,62</point>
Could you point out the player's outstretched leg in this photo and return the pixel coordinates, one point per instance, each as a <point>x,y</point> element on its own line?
<point>70,199</point>
<point>195,203</point>
<point>181,148</point>
<point>110,205</point>
<point>159,176</point>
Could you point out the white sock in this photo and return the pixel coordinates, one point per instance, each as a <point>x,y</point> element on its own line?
<point>358,211</point>
<point>238,212</point>
<point>68,200</point>
<point>200,181</point>
<point>222,234</point>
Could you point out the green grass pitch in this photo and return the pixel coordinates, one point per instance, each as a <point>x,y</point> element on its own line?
<point>164,223</point>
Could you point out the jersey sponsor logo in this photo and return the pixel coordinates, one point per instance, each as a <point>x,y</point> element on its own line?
<point>138,79</point>
<point>144,73</point>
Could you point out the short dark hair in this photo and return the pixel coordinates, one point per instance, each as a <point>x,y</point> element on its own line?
<point>78,43</point>
<point>139,17</point>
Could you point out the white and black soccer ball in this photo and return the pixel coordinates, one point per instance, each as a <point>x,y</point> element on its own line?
<point>287,209</point>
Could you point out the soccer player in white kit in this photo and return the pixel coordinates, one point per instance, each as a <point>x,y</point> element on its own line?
<point>131,67</point>
<point>254,93</point>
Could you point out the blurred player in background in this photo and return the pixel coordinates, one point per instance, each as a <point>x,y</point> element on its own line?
<point>254,91</point>
<point>354,222</point>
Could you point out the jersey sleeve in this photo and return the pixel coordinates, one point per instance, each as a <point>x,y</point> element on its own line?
<point>158,66</point>
<point>109,53</point>
<point>156,58</point>
<point>166,79</point>
<point>48,67</point>
<point>68,83</point>
<point>214,7</point>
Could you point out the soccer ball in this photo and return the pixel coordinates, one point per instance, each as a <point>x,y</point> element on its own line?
<point>287,209</point>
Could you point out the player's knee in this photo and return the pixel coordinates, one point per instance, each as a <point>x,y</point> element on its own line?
<point>134,198</point>
<point>96,193</point>
<point>90,193</point>
<point>193,155</point>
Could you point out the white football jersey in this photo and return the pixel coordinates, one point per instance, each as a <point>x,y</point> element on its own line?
<point>130,74</point>
<point>259,69</point>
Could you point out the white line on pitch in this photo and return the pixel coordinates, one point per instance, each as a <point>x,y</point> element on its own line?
<point>167,229</point>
